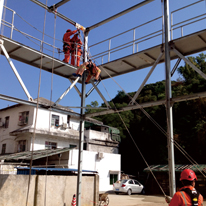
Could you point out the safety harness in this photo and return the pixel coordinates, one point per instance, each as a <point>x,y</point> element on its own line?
<point>194,195</point>
<point>90,66</point>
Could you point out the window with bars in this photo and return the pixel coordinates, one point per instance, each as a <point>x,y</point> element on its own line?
<point>55,120</point>
<point>23,118</point>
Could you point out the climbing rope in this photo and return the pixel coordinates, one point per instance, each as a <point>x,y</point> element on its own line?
<point>37,106</point>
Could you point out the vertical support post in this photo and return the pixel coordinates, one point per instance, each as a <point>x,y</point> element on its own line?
<point>81,132</point>
<point>168,89</point>
<point>12,24</point>
<point>1,11</point>
<point>133,50</point>
<point>171,25</point>
<point>109,50</point>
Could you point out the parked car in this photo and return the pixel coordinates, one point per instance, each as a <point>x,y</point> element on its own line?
<point>128,186</point>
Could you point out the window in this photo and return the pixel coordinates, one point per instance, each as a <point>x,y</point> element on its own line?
<point>113,178</point>
<point>55,120</point>
<point>23,118</point>
<point>3,150</point>
<point>72,145</point>
<point>50,145</point>
<point>6,122</point>
<point>131,182</point>
<point>21,146</point>
<point>136,182</point>
<point>1,123</point>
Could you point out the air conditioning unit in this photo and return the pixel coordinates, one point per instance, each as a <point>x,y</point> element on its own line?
<point>64,125</point>
<point>100,155</point>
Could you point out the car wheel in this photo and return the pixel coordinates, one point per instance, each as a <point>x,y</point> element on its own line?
<point>143,191</point>
<point>116,193</point>
<point>129,191</point>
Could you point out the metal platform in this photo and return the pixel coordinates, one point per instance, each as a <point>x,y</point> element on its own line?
<point>187,45</point>
<point>32,57</point>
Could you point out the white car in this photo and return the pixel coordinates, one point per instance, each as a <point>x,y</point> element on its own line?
<point>128,186</point>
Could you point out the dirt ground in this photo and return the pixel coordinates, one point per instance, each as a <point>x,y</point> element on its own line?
<point>136,200</point>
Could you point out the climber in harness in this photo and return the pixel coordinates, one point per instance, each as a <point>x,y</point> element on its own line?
<point>92,69</point>
<point>67,44</point>
<point>187,195</point>
<point>76,50</point>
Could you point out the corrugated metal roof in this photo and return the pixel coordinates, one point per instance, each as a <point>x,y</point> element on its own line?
<point>37,154</point>
<point>178,168</point>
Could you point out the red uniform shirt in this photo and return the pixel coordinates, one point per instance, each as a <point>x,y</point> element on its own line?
<point>178,199</point>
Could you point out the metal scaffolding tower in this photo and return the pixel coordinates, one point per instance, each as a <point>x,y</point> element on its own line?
<point>165,52</point>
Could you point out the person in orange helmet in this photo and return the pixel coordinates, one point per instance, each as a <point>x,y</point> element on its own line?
<point>92,69</point>
<point>76,50</point>
<point>187,195</point>
<point>67,44</point>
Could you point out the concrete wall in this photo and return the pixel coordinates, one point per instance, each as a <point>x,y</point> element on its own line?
<point>59,190</point>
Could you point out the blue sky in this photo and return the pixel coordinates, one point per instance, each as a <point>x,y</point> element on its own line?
<point>87,13</point>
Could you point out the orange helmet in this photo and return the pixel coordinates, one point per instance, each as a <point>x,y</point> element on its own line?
<point>188,174</point>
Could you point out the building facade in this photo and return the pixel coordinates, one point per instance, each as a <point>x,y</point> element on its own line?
<point>20,131</point>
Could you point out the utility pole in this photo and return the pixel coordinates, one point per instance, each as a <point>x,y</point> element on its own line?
<point>168,89</point>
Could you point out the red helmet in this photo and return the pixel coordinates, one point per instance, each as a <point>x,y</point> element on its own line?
<point>188,174</point>
<point>68,30</point>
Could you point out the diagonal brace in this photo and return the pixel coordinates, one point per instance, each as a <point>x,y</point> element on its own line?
<point>100,94</point>
<point>76,88</point>
<point>15,71</point>
<point>189,63</point>
<point>65,93</point>
<point>145,80</point>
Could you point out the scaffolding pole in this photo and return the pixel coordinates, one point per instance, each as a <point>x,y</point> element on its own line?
<point>81,132</point>
<point>170,141</point>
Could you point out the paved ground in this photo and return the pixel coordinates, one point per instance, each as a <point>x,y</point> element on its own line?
<point>136,200</point>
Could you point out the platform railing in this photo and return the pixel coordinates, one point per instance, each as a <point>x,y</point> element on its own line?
<point>190,21</point>
<point>135,42</point>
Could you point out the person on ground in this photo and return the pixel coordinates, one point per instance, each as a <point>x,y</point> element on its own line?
<point>187,195</point>
<point>67,44</point>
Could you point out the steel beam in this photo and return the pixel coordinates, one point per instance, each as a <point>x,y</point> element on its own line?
<point>91,90</point>
<point>76,88</point>
<point>190,63</point>
<point>57,13</point>
<point>55,6</point>
<point>15,71</point>
<point>120,14</point>
<point>100,94</point>
<point>68,89</point>
<point>149,104</point>
<point>147,77</point>
<point>175,67</point>
<point>33,104</point>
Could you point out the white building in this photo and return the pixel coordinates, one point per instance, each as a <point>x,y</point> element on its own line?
<point>18,130</point>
